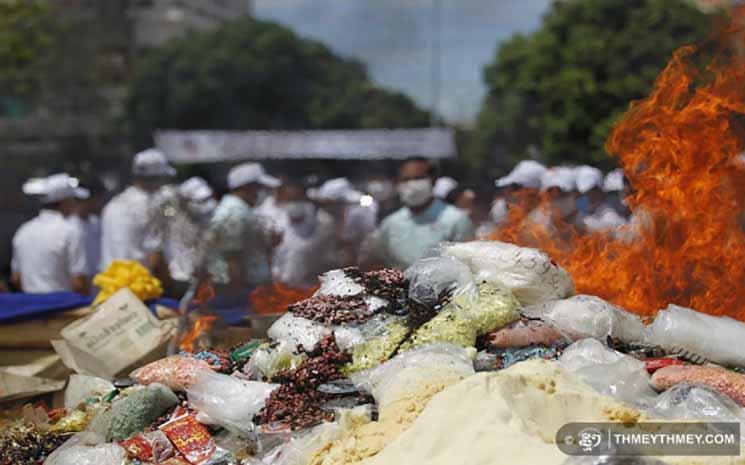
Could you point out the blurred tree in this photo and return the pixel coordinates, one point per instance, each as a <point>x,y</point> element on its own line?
<point>252,74</point>
<point>25,40</point>
<point>560,89</point>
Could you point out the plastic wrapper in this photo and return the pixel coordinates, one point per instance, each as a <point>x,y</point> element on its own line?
<point>431,278</point>
<point>530,274</point>
<point>585,316</point>
<point>406,373</point>
<point>230,402</point>
<point>297,332</point>
<point>152,447</point>
<point>609,372</point>
<point>133,413</point>
<point>689,402</point>
<point>87,449</point>
<point>719,339</point>
<point>466,318</point>
<point>80,388</point>
<point>177,372</point>
<point>505,358</point>
<point>73,422</point>
<point>523,333</point>
<point>378,348</point>
<point>267,362</point>
<point>191,439</point>
<point>725,382</point>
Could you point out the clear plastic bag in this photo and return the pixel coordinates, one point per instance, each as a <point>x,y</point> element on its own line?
<point>408,372</point>
<point>584,316</point>
<point>524,333</point>
<point>82,387</point>
<point>228,401</point>
<point>383,338</point>
<point>726,382</point>
<point>296,332</point>
<point>177,372</point>
<point>87,449</point>
<point>719,339</point>
<point>430,278</point>
<point>609,372</point>
<point>688,402</point>
<point>529,273</point>
<point>267,362</point>
<point>336,282</point>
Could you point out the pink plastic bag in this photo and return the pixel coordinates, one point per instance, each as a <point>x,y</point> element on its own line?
<point>177,372</point>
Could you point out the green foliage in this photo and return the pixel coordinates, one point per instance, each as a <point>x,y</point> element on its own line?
<point>24,41</point>
<point>252,74</point>
<point>561,88</point>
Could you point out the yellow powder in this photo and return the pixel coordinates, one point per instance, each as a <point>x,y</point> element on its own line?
<point>366,440</point>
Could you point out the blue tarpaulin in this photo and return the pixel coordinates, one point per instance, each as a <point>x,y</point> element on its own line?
<point>21,306</point>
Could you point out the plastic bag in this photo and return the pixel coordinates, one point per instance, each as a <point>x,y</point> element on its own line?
<point>82,387</point>
<point>719,339</point>
<point>584,316</point>
<point>529,273</point>
<point>406,373</point>
<point>466,318</point>
<point>133,413</point>
<point>336,282</point>
<point>301,447</point>
<point>383,342</point>
<point>723,381</point>
<point>177,372</point>
<point>87,449</point>
<point>297,332</point>
<point>609,372</point>
<point>688,402</point>
<point>229,401</point>
<point>191,439</point>
<point>267,362</point>
<point>431,278</point>
<point>523,333</point>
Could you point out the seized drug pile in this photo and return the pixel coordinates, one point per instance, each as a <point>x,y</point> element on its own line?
<point>479,351</point>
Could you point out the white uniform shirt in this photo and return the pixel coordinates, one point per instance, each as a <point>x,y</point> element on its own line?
<point>306,248</point>
<point>91,227</point>
<point>123,227</point>
<point>48,251</point>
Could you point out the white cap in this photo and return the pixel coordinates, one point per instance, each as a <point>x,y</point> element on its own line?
<point>55,188</point>
<point>527,173</point>
<point>249,173</point>
<point>562,177</point>
<point>588,178</point>
<point>444,186</point>
<point>613,181</point>
<point>336,190</point>
<point>152,162</point>
<point>195,189</point>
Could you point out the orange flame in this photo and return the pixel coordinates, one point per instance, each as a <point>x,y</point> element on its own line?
<point>678,147</point>
<point>274,298</point>
<point>201,326</point>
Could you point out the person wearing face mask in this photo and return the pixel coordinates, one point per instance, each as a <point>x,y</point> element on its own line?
<point>307,238</point>
<point>424,221</point>
<point>180,219</point>
<point>239,240</point>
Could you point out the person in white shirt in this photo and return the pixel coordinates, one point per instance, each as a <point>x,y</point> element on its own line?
<point>307,245</point>
<point>88,217</point>
<point>125,218</point>
<point>49,250</point>
<point>181,217</point>
<point>597,215</point>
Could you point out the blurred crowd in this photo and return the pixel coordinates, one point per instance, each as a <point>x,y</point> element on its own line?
<point>274,227</point>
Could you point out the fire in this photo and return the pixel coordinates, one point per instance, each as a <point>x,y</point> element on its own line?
<point>201,326</point>
<point>274,298</point>
<point>678,148</point>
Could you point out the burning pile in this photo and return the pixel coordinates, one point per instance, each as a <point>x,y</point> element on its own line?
<point>679,149</point>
